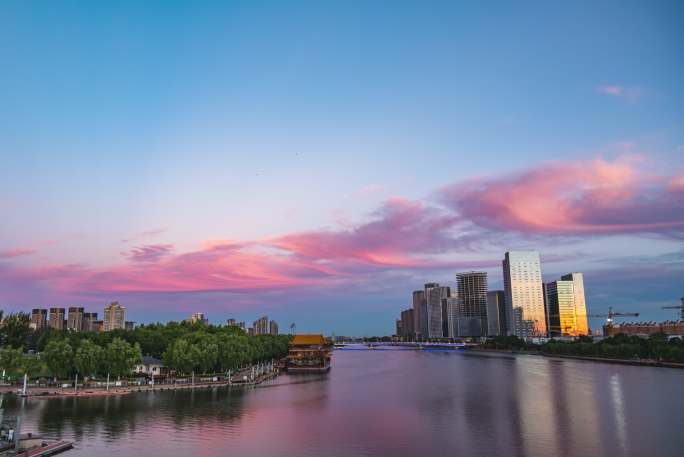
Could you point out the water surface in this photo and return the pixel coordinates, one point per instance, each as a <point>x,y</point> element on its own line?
<point>390,403</point>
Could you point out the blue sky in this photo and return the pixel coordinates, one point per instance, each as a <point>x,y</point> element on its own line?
<point>182,126</point>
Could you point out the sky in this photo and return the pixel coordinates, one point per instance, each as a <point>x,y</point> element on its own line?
<point>318,161</point>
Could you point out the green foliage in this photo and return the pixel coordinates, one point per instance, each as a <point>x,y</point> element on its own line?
<point>59,357</point>
<point>655,347</point>
<point>16,330</point>
<point>10,359</point>
<point>88,358</point>
<point>121,357</point>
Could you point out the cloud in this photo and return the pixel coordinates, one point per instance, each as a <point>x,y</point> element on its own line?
<point>145,234</point>
<point>150,252</point>
<point>631,94</point>
<point>461,226</point>
<point>16,252</point>
<point>583,198</point>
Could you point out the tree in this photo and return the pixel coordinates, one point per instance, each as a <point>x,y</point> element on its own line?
<point>88,357</point>
<point>59,357</point>
<point>10,359</point>
<point>16,330</point>
<point>183,356</point>
<point>121,357</point>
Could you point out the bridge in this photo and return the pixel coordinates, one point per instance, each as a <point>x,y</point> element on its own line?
<point>402,345</point>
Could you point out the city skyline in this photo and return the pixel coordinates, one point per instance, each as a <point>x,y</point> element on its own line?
<point>308,162</point>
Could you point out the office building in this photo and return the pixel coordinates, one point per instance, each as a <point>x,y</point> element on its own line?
<point>399,328</point>
<point>496,313</point>
<point>39,318</point>
<point>260,326</point>
<point>114,317</point>
<point>273,328</point>
<point>75,319</point>
<point>566,306</point>
<point>452,315</point>
<point>431,312</point>
<point>524,294</point>
<point>89,320</point>
<point>471,315</point>
<point>407,319</point>
<point>418,301</point>
<point>56,319</point>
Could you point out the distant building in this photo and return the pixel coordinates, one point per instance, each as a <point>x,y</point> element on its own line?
<point>129,326</point>
<point>496,313</point>
<point>98,326</point>
<point>198,318</point>
<point>566,306</point>
<point>273,328</point>
<point>75,319</point>
<point>645,328</point>
<point>260,325</point>
<point>399,328</point>
<point>56,319</point>
<point>150,366</point>
<point>39,318</point>
<point>231,323</point>
<point>471,316</point>
<point>242,326</point>
<point>452,315</point>
<point>434,293</point>
<point>407,324</point>
<point>89,320</point>
<point>418,301</point>
<point>524,294</point>
<point>250,331</point>
<point>114,317</point>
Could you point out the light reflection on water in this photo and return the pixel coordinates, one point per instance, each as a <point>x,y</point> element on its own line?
<point>399,403</point>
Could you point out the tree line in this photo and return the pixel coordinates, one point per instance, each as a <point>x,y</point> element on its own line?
<point>183,347</point>
<point>656,347</point>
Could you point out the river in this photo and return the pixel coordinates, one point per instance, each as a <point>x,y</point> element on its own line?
<point>390,403</point>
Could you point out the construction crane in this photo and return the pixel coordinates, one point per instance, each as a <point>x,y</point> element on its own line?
<point>612,314</point>
<point>679,307</point>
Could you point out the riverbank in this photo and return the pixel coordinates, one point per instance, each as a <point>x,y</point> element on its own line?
<point>635,362</point>
<point>245,377</point>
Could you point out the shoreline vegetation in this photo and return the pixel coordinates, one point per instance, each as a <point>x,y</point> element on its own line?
<point>189,352</point>
<point>655,351</point>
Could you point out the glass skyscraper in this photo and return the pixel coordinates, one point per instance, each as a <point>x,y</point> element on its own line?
<point>566,306</point>
<point>524,294</point>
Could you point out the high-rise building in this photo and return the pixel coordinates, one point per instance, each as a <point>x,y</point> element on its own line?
<point>129,326</point>
<point>432,325</point>
<point>399,328</point>
<point>418,301</point>
<point>524,294</point>
<point>89,320</point>
<point>566,306</point>
<point>273,328</point>
<point>56,319</point>
<point>114,317</point>
<point>452,315</point>
<point>39,318</point>
<point>75,319</point>
<point>408,324</point>
<point>471,320</point>
<point>260,325</point>
<point>496,313</point>
<point>198,318</point>
<point>243,326</point>
<point>231,322</point>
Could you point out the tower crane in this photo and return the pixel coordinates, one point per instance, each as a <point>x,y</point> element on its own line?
<point>612,314</point>
<point>679,307</point>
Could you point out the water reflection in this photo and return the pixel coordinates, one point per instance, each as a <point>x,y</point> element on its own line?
<point>379,403</point>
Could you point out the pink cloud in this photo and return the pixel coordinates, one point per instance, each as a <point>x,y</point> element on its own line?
<point>585,198</point>
<point>577,198</point>
<point>629,93</point>
<point>16,252</point>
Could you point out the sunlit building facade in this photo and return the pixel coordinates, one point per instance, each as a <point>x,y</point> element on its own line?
<point>566,306</point>
<point>56,319</point>
<point>524,294</point>
<point>39,318</point>
<point>114,317</point>
<point>75,319</point>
